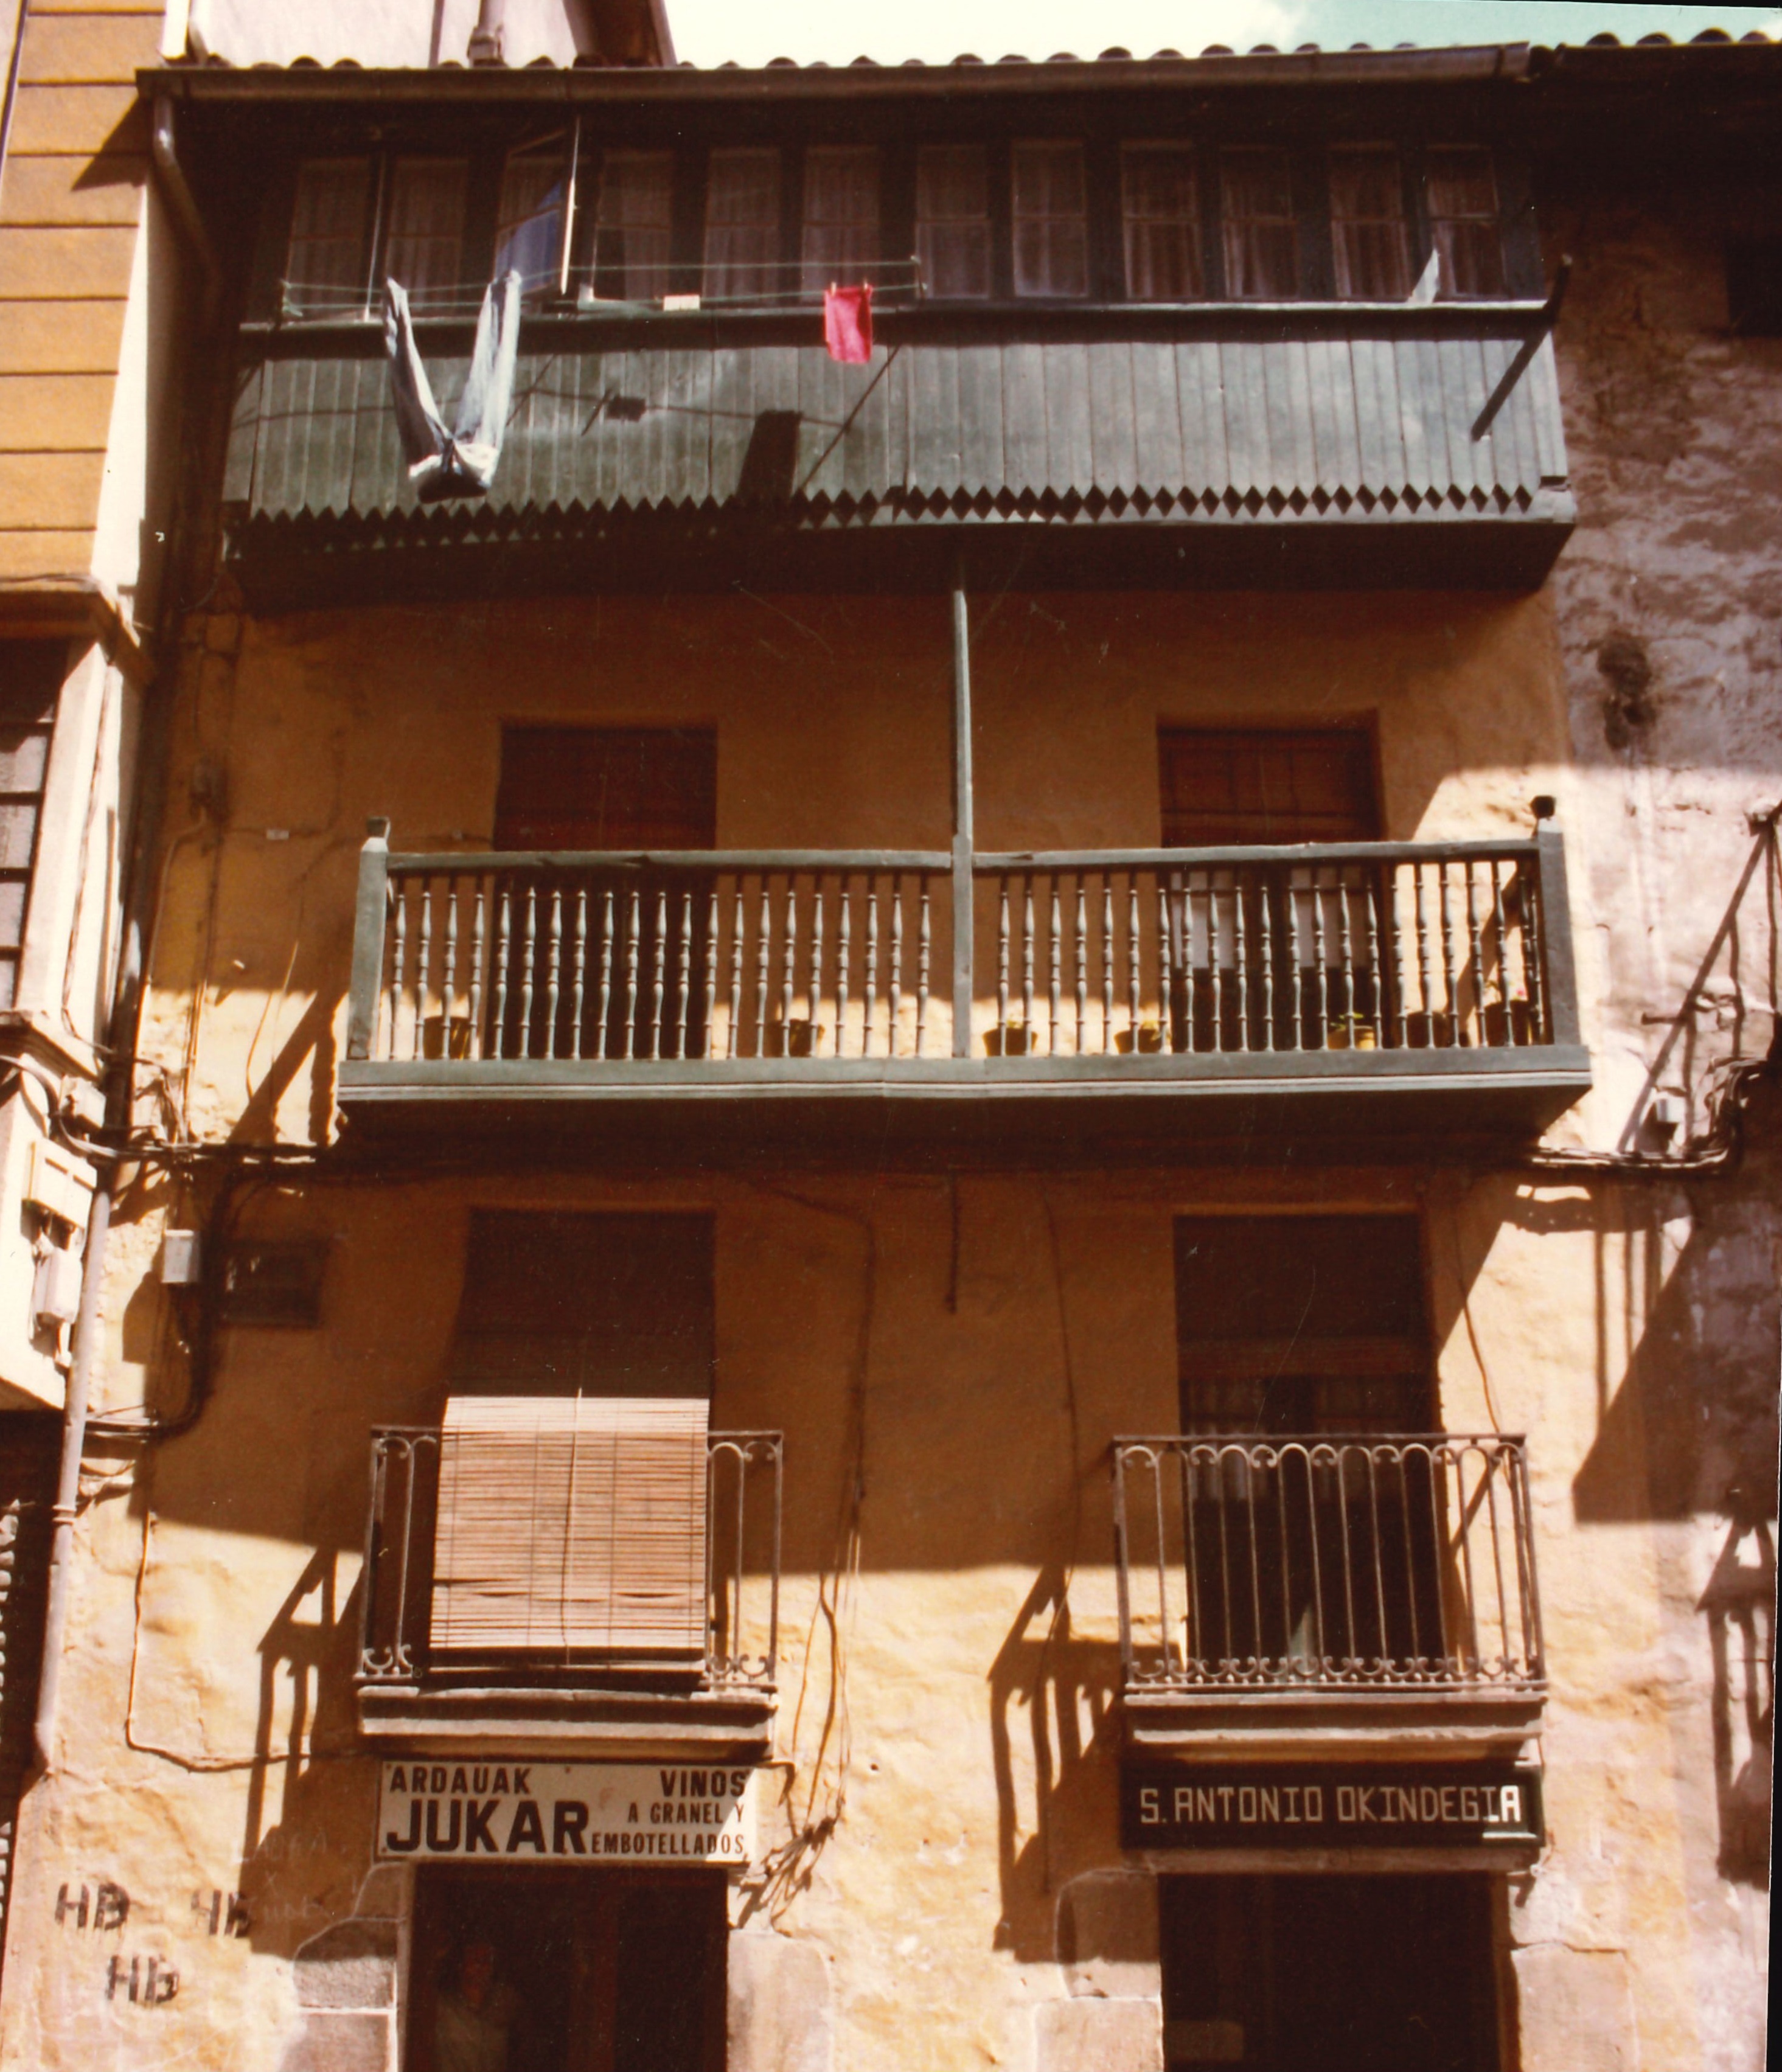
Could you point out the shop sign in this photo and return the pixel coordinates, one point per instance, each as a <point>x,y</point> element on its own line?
<point>1330,1806</point>
<point>664,1815</point>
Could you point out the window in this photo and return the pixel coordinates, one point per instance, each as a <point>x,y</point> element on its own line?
<point>633,221</point>
<point>1274,1974</point>
<point>953,221</point>
<point>1051,232</point>
<point>546,1969</point>
<point>626,789</point>
<point>529,237</point>
<point>598,1305</point>
<point>1301,1324</point>
<point>635,787</point>
<point>573,1454</point>
<point>1462,188</point>
<point>30,680</point>
<point>743,226</point>
<point>1368,233</point>
<point>1260,228</point>
<point>1754,286</point>
<point>424,242</point>
<point>276,1286</point>
<point>1225,788</point>
<point>325,263</point>
<point>1160,198</point>
<point>841,238</point>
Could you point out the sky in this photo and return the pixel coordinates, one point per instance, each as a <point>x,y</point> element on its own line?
<point>710,32</point>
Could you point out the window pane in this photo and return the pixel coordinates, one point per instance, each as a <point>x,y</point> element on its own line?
<point>1160,198</point>
<point>423,248</point>
<point>953,220</point>
<point>1051,240</point>
<point>1260,239</point>
<point>1368,227</point>
<point>632,223</point>
<point>1462,197</point>
<point>529,232</point>
<point>840,241</point>
<point>743,225</point>
<point>325,267</point>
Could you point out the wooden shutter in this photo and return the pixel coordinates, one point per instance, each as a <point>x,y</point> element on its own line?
<point>573,1524</point>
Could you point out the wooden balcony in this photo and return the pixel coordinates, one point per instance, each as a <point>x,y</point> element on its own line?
<point>1140,1002</point>
<point>545,1699</point>
<point>1283,1594</point>
<point>1116,445</point>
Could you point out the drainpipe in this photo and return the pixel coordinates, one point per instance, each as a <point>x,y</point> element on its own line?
<point>485,42</point>
<point>179,199</point>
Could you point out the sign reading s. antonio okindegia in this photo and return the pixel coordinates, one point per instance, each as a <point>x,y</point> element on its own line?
<point>1327,1806</point>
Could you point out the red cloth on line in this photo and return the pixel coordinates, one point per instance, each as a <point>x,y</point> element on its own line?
<point>847,323</point>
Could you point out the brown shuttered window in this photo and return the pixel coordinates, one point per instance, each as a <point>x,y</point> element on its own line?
<point>1302,1323</point>
<point>1226,787</point>
<point>1370,238</point>
<point>953,221</point>
<point>1160,198</point>
<point>572,1524</point>
<point>572,1477</point>
<point>1462,188</point>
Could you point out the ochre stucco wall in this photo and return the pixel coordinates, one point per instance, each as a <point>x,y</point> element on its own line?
<point>970,1754</point>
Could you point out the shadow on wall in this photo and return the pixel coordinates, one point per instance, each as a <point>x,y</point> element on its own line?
<point>1739,1606</point>
<point>1069,1690</point>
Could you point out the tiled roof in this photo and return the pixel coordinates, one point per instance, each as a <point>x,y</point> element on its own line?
<point>1114,54</point>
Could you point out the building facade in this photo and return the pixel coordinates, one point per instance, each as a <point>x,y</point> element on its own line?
<point>949,1230</point>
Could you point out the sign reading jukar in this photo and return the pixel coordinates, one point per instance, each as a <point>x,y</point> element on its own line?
<point>656,1814</point>
<point>1332,1805</point>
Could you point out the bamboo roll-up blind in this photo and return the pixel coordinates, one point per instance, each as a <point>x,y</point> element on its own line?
<point>573,1524</point>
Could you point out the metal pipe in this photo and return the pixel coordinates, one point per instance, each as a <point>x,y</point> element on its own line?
<point>185,209</point>
<point>68,1482</point>
<point>485,43</point>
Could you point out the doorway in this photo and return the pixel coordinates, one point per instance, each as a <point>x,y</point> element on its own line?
<point>567,1971</point>
<point>1376,1973</point>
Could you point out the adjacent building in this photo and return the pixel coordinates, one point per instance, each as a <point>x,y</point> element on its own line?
<point>946,1229</point>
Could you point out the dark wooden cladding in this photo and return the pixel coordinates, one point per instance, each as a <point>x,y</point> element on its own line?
<point>1293,422</point>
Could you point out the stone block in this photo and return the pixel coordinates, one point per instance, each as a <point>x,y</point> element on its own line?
<point>351,1965</point>
<point>778,2017</point>
<point>1107,1935</point>
<point>340,2043</point>
<point>1098,2036</point>
<point>1575,2010</point>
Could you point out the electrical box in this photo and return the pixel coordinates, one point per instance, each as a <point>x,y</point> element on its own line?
<point>56,1291</point>
<point>182,1258</point>
<point>59,1184</point>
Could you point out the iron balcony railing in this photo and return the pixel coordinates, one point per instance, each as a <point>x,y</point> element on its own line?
<point>1327,1563</point>
<point>822,958</point>
<point>744,1475</point>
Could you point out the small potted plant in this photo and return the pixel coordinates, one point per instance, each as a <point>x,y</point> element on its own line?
<point>1350,1032</point>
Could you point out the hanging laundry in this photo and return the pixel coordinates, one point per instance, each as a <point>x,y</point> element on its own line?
<point>461,462</point>
<point>847,324</point>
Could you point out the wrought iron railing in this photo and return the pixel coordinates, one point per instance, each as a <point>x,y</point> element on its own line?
<point>1333,1563</point>
<point>819,956</point>
<point>743,1478</point>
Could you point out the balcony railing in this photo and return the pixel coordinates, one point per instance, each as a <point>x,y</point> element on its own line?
<point>1372,1566</point>
<point>684,971</point>
<point>742,1526</point>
